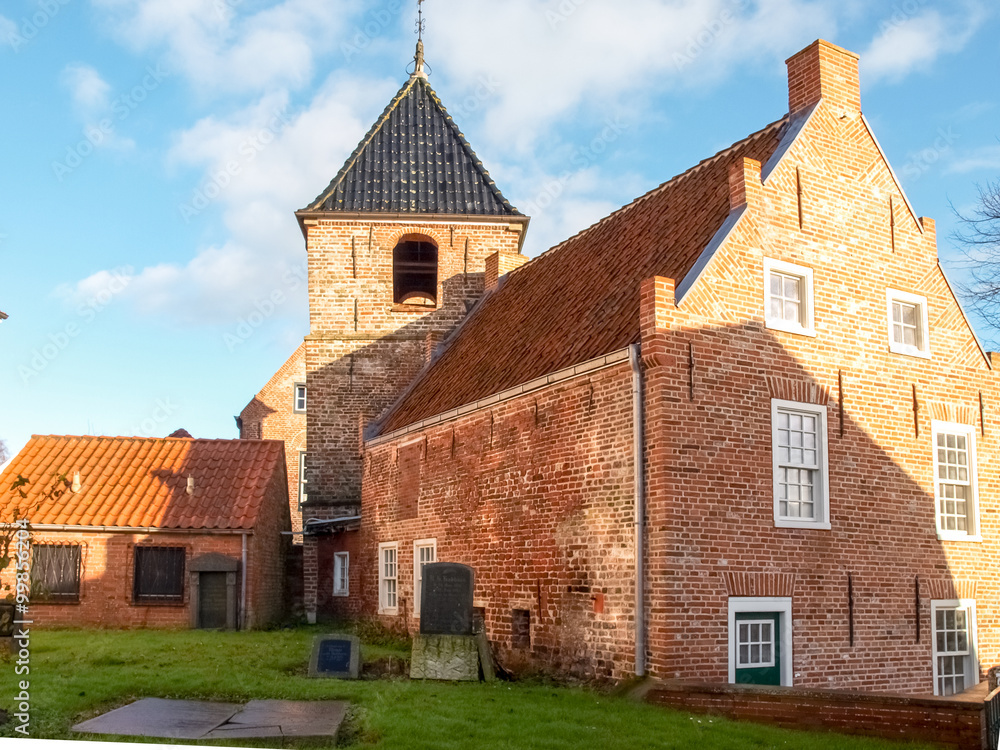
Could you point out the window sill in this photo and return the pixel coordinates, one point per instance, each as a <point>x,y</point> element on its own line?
<point>780,325</point>
<point>177,603</point>
<point>818,525</point>
<point>909,352</point>
<point>394,611</point>
<point>50,602</point>
<point>951,536</point>
<point>413,309</point>
<point>341,594</point>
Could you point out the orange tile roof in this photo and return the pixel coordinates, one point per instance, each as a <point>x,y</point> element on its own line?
<point>142,482</point>
<point>580,300</point>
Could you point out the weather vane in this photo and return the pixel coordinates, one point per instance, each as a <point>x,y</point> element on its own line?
<point>419,57</point>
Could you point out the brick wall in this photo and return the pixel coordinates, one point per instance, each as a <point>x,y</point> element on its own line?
<point>948,723</point>
<point>537,495</point>
<point>713,368</point>
<point>266,552</point>
<point>271,416</point>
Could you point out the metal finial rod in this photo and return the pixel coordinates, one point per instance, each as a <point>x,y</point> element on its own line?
<point>419,57</point>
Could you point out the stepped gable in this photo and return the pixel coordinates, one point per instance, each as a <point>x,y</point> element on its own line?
<point>580,300</point>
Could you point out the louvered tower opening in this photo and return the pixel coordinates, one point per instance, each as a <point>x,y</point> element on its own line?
<point>415,272</point>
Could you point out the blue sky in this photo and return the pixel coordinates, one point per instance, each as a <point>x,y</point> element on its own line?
<point>154,152</point>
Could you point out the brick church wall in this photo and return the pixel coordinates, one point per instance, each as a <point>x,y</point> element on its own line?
<point>537,495</point>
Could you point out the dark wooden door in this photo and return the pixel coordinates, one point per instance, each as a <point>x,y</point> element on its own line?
<point>212,604</point>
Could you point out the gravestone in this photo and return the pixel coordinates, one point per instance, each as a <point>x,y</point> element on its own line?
<point>446,599</point>
<point>335,656</point>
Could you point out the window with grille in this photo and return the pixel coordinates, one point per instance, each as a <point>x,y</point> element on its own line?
<point>415,272</point>
<point>55,572</point>
<point>341,579</point>
<point>300,398</point>
<point>159,575</point>
<point>954,480</point>
<point>303,482</point>
<point>424,552</point>
<point>387,578</point>
<point>955,665</point>
<point>800,464</point>
<point>755,643</point>
<point>788,297</point>
<point>908,333</point>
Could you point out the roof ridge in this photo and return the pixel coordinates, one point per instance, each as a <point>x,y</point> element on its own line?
<point>675,180</point>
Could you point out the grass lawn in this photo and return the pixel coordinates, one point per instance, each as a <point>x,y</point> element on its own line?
<point>78,674</point>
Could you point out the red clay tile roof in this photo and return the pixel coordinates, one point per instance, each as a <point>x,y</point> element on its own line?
<point>580,300</point>
<point>142,482</point>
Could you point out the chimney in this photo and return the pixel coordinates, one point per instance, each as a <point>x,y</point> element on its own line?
<point>190,487</point>
<point>823,71</point>
<point>76,482</point>
<point>500,264</point>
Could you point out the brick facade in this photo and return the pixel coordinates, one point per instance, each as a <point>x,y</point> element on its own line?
<point>272,415</point>
<point>537,492</point>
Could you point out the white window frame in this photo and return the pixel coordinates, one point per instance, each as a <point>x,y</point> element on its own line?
<point>760,623</point>
<point>303,482</point>
<point>806,327</point>
<point>383,607</point>
<point>972,666</point>
<point>924,350</point>
<point>341,572</point>
<point>780,604</point>
<point>821,520</point>
<point>295,398</point>
<point>972,519</point>
<point>418,569</point>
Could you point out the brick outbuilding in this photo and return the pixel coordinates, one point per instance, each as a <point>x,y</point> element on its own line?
<point>740,430</point>
<point>152,532</point>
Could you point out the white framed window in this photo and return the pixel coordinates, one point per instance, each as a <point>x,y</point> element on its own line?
<point>341,573</point>
<point>955,492</point>
<point>908,331</point>
<point>755,644</point>
<point>788,297</point>
<point>303,482</point>
<point>801,474</point>
<point>424,551</point>
<point>781,639</point>
<point>300,398</point>
<point>388,578</point>
<point>956,663</point>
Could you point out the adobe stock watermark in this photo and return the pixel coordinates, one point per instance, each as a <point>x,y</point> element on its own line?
<point>22,634</point>
<point>265,308</point>
<point>33,25</point>
<point>561,13</point>
<point>922,161</point>
<point>708,34</point>
<point>87,312</point>
<point>901,13</point>
<point>152,425</point>
<point>221,178</point>
<point>95,135</point>
<point>374,25</point>
<point>486,88</point>
<point>581,158</point>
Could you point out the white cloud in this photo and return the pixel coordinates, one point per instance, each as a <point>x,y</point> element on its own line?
<point>910,43</point>
<point>260,163</point>
<point>222,46</point>
<point>91,93</point>
<point>986,158</point>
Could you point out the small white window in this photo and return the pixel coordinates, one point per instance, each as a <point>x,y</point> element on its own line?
<point>955,492</point>
<point>341,571</point>
<point>956,666</point>
<point>801,482</point>
<point>755,644</point>
<point>908,332</point>
<point>788,297</point>
<point>303,482</point>
<point>300,397</point>
<point>776,613</point>
<point>387,579</point>
<point>424,551</point>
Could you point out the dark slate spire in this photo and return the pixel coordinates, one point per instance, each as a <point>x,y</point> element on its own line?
<point>414,160</point>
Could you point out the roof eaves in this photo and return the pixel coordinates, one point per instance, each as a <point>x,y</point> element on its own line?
<point>944,275</point>
<point>722,234</point>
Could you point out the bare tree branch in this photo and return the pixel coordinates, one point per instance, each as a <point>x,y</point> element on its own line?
<point>979,237</point>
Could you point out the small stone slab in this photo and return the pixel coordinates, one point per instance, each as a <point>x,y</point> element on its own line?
<point>446,599</point>
<point>337,656</point>
<point>444,657</point>
<point>276,718</point>
<point>157,717</point>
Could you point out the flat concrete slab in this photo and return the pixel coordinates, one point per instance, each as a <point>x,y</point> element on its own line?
<point>156,717</point>
<point>196,720</point>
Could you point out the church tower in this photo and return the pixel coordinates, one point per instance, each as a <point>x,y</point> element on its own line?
<point>399,245</point>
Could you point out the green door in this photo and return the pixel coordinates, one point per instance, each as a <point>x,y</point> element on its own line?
<point>758,648</point>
